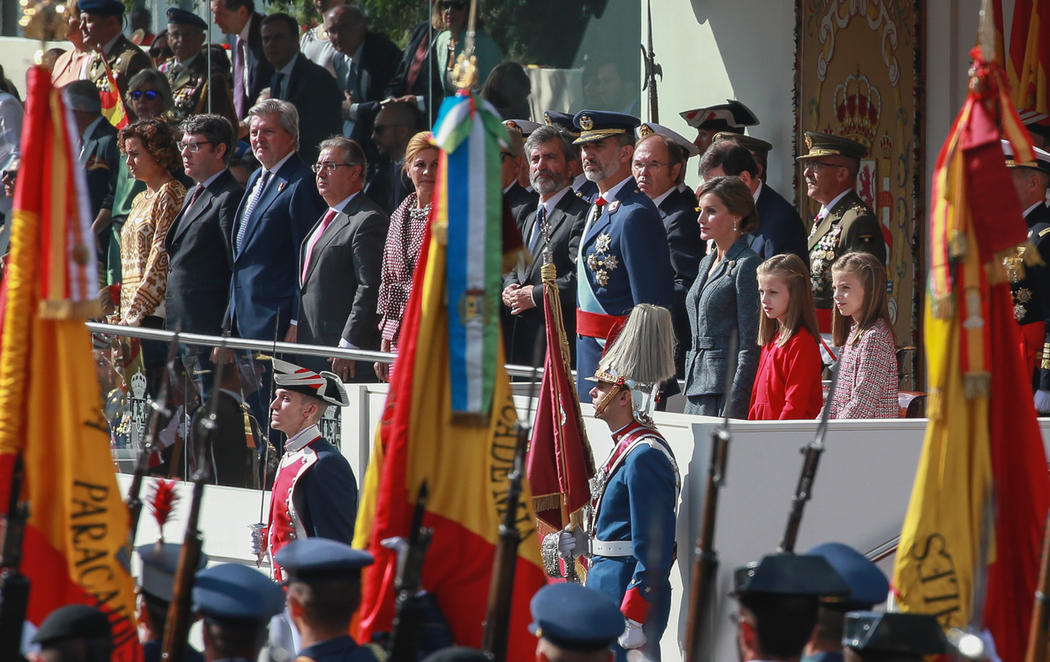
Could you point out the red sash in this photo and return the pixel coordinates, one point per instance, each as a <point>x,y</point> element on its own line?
<point>597,325</point>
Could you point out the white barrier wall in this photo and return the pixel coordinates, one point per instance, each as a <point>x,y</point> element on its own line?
<point>859,498</point>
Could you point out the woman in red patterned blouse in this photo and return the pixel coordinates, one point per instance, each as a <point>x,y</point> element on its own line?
<point>787,384</point>
<point>404,240</point>
<point>867,385</point>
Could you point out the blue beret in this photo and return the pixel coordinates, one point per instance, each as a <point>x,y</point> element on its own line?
<point>867,585</point>
<point>789,574</point>
<point>160,561</point>
<point>575,618</point>
<point>73,622</point>
<point>312,557</point>
<point>598,124</point>
<point>894,634</point>
<point>183,17</point>
<point>235,592</point>
<point>101,7</point>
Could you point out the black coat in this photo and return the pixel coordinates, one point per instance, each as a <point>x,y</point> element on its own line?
<point>780,228</point>
<point>261,72</point>
<point>389,185</point>
<point>521,202</point>
<point>200,258</point>
<point>678,211</point>
<point>315,94</point>
<point>520,331</point>
<point>99,155</point>
<point>379,60</point>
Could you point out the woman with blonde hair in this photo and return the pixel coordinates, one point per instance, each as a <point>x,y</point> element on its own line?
<point>404,241</point>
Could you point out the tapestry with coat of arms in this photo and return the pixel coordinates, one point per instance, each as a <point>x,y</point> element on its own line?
<point>858,74</point>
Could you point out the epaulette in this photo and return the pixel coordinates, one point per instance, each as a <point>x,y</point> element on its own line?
<point>1044,231</point>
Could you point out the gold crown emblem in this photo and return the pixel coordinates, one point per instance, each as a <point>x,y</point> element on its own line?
<point>809,142</point>
<point>586,123</point>
<point>858,106</point>
<point>645,131</point>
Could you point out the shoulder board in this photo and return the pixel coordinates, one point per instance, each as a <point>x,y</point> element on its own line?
<point>1044,231</point>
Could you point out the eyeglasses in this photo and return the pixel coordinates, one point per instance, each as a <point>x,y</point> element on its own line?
<point>193,146</point>
<point>448,4</point>
<point>148,95</point>
<point>329,168</point>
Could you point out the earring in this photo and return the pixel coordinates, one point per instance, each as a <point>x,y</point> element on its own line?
<point>736,226</point>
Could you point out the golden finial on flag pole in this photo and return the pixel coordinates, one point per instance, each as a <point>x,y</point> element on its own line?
<point>465,73</point>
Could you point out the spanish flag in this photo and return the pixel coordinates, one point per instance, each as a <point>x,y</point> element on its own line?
<point>449,418</point>
<point>971,541</point>
<point>112,103</point>
<point>74,549</point>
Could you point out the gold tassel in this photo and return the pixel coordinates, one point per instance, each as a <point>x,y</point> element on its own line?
<point>545,502</point>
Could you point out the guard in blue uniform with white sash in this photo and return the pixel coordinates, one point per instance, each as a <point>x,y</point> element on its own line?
<point>631,528</point>
<point>623,259</point>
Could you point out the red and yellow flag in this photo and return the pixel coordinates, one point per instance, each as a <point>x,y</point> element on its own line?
<point>112,103</point>
<point>970,545</point>
<point>464,460</point>
<point>1029,62</point>
<point>74,550</point>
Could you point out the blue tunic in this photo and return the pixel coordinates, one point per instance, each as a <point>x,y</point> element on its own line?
<point>624,260</point>
<point>638,504</point>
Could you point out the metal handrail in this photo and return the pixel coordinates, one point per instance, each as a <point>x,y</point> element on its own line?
<point>267,346</point>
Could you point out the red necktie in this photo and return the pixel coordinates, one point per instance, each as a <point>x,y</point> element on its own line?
<point>313,242</point>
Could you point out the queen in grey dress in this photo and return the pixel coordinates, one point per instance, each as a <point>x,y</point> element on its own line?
<point>723,299</point>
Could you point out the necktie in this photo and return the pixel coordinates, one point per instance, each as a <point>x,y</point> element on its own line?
<point>313,242</point>
<point>278,87</point>
<point>536,239</point>
<point>196,194</point>
<point>248,208</point>
<point>352,80</point>
<point>239,96</point>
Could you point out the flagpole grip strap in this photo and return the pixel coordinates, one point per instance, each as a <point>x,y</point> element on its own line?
<point>596,325</point>
<point>611,547</point>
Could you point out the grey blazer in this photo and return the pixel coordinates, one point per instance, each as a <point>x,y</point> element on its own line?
<point>716,305</point>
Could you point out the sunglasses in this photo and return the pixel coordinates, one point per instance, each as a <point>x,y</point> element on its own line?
<point>148,95</point>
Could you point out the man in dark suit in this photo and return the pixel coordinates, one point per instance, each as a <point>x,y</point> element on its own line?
<point>305,85</point>
<point>520,201</point>
<point>388,184</point>
<point>555,223</point>
<point>780,229</point>
<point>658,166</point>
<point>198,242</point>
<point>278,208</point>
<point>364,64</point>
<point>251,71</point>
<point>623,258</point>
<point>98,155</point>
<point>340,261</point>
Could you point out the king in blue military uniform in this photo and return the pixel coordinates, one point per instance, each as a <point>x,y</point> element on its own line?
<point>630,532</point>
<point>324,591</point>
<point>623,258</point>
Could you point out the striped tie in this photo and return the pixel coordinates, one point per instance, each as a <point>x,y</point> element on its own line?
<point>248,208</point>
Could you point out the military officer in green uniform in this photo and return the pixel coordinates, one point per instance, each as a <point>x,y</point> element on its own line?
<point>100,21</point>
<point>187,71</point>
<point>844,223</point>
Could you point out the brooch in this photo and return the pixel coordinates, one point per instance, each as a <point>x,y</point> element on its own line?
<point>600,261</point>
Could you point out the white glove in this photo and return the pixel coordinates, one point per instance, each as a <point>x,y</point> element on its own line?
<point>572,541</point>
<point>258,541</point>
<point>1041,399</point>
<point>633,636</point>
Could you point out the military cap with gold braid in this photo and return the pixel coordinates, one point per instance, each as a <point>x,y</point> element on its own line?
<point>750,143</point>
<point>596,125</point>
<point>651,128</point>
<point>1041,162</point>
<point>824,144</point>
<point>562,121</point>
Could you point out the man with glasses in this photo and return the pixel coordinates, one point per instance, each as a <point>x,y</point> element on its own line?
<point>340,262</point>
<point>198,242</point>
<point>188,72</point>
<point>389,184</point>
<point>658,165</point>
<point>844,223</point>
<point>520,201</point>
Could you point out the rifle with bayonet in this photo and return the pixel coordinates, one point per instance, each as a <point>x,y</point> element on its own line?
<point>497,614</point>
<point>705,558</point>
<point>160,409</point>
<point>177,624</point>
<point>1039,630</point>
<point>408,620</point>
<point>804,489</point>
<point>652,69</point>
<point>14,586</point>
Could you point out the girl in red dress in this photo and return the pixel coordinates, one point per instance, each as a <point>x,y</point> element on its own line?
<point>787,385</point>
